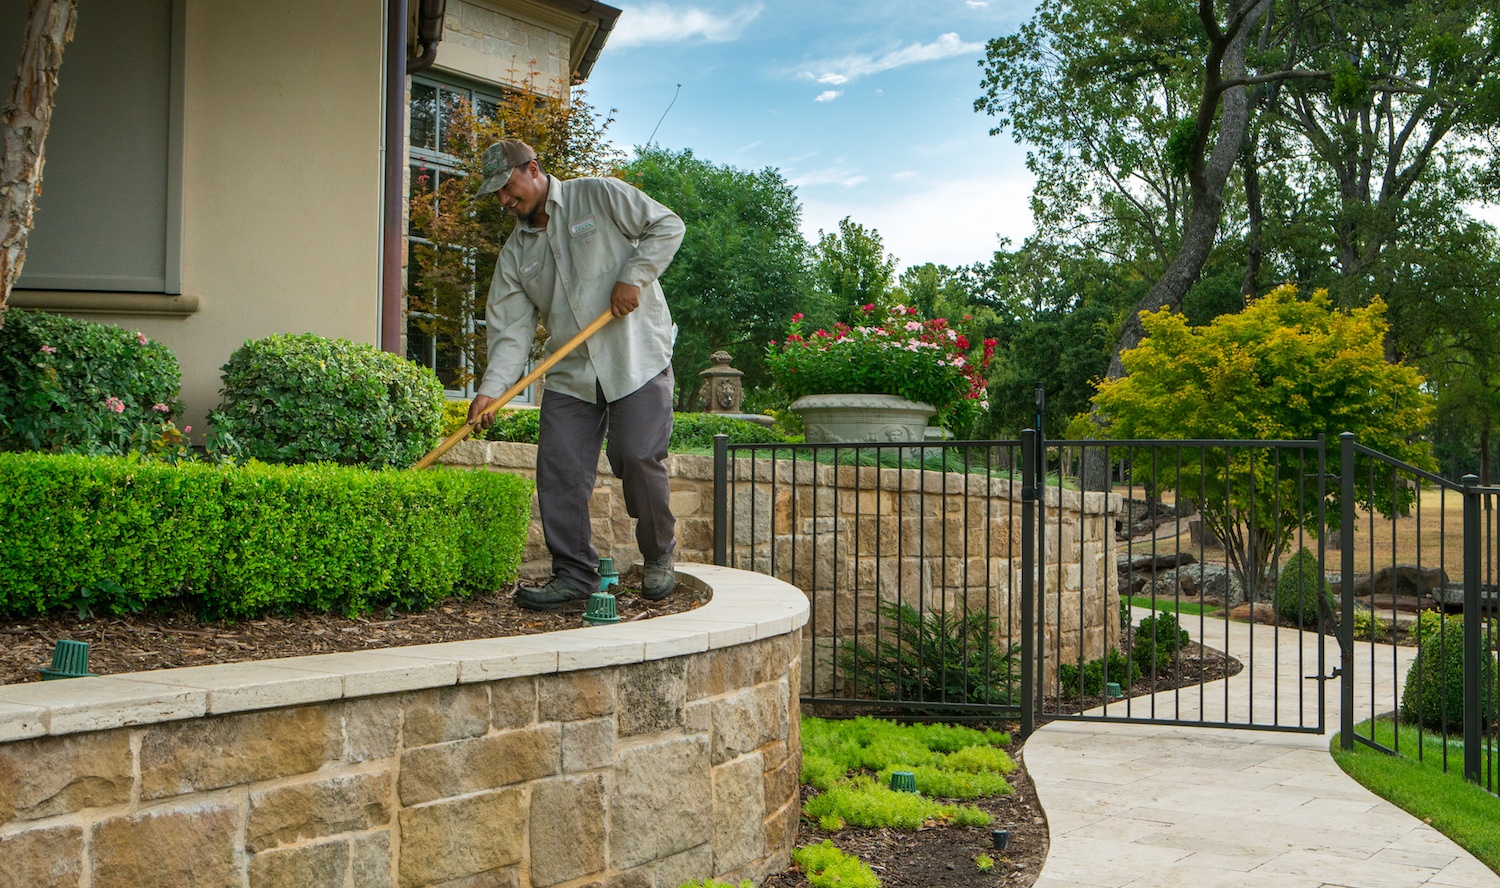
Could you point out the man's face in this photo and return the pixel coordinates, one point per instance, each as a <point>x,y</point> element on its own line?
<point>524,192</point>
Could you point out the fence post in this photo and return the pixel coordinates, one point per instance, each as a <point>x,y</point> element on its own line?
<point>1473,623</point>
<point>1346,591</point>
<point>1028,582</point>
<point>721,500</point>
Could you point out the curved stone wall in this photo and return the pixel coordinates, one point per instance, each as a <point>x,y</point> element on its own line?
<point>636,755</point>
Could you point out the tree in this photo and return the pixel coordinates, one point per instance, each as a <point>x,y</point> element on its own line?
<point>450,278</point>
<point>1283,368</point>
<point>850,269</point>
<point>25,120</point>
<point>1096,89</point>
<point>742,269</point>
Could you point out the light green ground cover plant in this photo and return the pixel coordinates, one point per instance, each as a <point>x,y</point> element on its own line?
<point>984,863</point>
<point>948,761</point>
<point>715,883</point>
<point>827,867</point>
<point>1463,812</point>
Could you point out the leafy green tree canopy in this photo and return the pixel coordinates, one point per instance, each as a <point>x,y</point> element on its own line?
<point>850,269</point>
<point>743,267</point>
<point>1284,368</point>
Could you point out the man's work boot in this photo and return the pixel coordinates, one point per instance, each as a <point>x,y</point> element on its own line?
<point>658,578</point>
<point>556,594</point>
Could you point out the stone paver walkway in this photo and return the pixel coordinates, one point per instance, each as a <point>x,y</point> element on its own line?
<point>1149,806</point>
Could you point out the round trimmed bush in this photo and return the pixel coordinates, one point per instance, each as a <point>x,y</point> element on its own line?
<point>1298,589</point>
<point>1434,691</point>
<point>305,398</point>
<point>71,386</point>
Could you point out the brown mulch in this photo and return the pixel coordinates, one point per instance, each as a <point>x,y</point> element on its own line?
<point>177,638</point>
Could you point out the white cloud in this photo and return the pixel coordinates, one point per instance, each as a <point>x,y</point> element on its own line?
<point>827,176</point>
<point>660,23</point>
<point>976,212</point>
<point>840,71</point>
<point>976,4</point>
<point>828,95</point>
<point>903,175</point>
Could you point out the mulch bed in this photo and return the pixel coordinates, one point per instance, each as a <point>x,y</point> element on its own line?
<point>945,855</point>
<point>177,638</point>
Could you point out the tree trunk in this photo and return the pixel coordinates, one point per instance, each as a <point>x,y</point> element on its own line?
<point>1207,176</point>
<point>25,121</point>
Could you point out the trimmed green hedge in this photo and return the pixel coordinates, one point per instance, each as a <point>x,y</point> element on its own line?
<point>241,541</point>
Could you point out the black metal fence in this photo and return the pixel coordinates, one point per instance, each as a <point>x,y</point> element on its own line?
<point>911,557</point>
<point>1028,578</point>
<point>1419,561</point>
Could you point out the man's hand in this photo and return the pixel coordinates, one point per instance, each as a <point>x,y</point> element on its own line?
<point>624,299</point>
<point>477,407</point>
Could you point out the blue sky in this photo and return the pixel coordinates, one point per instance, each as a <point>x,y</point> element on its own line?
<point>867,108</point>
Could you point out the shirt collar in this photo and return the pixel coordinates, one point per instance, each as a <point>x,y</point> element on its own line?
<point>554,189</point>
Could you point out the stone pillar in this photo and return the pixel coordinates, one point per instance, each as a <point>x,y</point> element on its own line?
<point>722,391</point>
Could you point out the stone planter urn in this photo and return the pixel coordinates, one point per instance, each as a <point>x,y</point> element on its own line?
<point>862,419</point>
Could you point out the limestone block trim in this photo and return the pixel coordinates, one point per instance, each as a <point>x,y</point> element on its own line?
<point>745,607</point>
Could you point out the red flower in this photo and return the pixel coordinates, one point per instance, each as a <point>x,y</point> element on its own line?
<point>796,317</point>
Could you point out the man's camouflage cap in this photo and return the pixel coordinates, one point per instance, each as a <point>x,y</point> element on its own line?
<point>499,159</point>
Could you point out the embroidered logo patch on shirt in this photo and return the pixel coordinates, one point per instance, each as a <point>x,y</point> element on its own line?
<point>582,226</point>
<point>530,269</point>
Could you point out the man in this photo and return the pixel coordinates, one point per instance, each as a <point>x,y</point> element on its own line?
<point>581,247</point>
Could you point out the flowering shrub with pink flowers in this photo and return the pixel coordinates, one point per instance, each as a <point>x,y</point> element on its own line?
<point>889,351</point>
<point>74,386</point>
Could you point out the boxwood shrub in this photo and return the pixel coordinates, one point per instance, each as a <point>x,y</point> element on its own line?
<point>1298,590</point>
<point>1434,692</point>
<point>241,541</point>
<point>305,398</point>
<point>75,386</point>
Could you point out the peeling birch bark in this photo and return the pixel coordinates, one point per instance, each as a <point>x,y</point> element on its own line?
<point>24,123</point>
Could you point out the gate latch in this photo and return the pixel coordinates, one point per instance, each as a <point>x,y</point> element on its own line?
<point>1029,494</point>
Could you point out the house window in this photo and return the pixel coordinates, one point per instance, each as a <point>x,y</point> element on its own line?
<point>432,103</point>
<point>110,216</point>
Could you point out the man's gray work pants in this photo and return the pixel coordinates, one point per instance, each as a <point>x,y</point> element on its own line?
<point>639,428</point>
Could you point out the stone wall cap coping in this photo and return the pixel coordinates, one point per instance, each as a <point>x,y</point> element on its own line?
<point>745,607</point>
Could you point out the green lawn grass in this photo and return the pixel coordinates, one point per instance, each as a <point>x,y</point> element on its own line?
<point>1168,605</point>
<point>1463,812</point>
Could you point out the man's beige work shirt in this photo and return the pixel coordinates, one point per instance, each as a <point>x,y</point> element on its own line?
<point>599,231</point>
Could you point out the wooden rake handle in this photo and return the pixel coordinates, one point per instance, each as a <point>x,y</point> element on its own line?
<point>528,379</point>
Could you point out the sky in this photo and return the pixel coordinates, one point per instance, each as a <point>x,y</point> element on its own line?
<point>867,108</point>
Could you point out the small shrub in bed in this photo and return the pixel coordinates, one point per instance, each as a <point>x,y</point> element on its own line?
<point>1434,691</point>
<point>304,398</point>
<point>1299,589</point>
<point>73,386</point>
<point>241,541</point>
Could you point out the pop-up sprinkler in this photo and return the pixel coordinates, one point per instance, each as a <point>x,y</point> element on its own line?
<point>903,781</point>
<point>602,609</point>
<point>70,659</point>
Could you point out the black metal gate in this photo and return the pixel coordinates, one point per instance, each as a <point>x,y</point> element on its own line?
<point>980,579</point>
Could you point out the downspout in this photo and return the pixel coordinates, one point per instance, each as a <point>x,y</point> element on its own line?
<point>393,241</point>
<point>397,68</point>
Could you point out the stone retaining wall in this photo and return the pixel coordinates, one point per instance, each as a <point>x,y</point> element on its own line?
<point>929,539</point>
<point>640,755</point>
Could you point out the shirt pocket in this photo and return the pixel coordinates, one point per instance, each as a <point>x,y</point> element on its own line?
<point>590,250</point>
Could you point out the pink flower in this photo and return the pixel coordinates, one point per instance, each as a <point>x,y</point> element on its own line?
<point>48,350</point>
<point>187,429</point>
<point>141,338</point>
<point>797,317</point>
<point>115,404</point>
<point>161,408</point>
